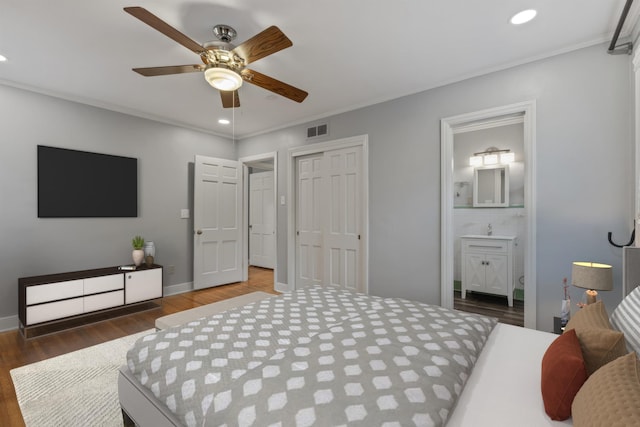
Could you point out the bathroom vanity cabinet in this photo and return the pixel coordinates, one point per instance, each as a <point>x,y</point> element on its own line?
<point>487,265</point>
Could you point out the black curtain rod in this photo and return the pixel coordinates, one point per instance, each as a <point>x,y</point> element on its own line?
<point>625,47</point>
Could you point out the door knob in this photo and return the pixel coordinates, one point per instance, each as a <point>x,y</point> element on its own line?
<point>199,232</point>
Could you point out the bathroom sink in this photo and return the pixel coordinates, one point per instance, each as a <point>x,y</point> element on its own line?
<point>484,236</point>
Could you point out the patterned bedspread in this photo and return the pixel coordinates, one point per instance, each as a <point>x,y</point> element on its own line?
<point>314,357</point>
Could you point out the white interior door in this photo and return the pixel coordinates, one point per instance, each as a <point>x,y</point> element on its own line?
<point>217,209</point>
<point>329,211</point>
<point>309,227</point>
<point>261,220</point>
<point>343,266</point>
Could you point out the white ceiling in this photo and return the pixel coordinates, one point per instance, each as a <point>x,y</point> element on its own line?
<point>346,53</point>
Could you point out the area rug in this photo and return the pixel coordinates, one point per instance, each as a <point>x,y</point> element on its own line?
<point>75,389</point>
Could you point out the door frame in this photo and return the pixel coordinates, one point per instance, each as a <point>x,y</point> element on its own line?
<point>321,147</point>
<point>245,163</point>
<point>447,125</point>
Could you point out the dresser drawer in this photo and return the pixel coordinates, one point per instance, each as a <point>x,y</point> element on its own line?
<point>54,310</point>
<point>54,291</point>
<point>102,301</point>
<point>94,285</point>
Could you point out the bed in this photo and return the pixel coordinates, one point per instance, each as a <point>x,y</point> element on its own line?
<point>329,357</point>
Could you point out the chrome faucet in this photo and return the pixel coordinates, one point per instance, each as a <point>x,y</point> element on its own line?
<point>489,230</point>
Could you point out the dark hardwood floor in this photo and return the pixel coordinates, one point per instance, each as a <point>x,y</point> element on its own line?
<point>491,305</point>
<point>16,351</point>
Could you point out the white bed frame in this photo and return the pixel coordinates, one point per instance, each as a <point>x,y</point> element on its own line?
<point>139,405</point>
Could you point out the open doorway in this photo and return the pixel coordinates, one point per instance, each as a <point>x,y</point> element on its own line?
<point>489,218</point>
<point>520,223</point>
<point>260,218</point>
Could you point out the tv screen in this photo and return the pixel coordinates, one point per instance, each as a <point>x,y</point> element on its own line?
<point>79,184</point>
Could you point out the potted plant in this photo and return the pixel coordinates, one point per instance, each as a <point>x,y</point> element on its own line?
<point>138,253</point>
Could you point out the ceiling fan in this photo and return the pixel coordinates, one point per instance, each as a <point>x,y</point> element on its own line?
<point>224,64</point>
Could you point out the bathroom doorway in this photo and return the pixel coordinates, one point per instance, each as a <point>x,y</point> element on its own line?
<point>503,138</point>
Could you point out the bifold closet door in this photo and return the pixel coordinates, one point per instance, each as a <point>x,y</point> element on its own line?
<point>309,218</point>
<point>343,264</point>
<point>329,219</point>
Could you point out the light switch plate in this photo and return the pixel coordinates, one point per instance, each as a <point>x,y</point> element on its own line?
<point>282,200</point>
<point>184,213</point>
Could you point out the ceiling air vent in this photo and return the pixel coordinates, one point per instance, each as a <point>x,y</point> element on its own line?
<point>316,131</point>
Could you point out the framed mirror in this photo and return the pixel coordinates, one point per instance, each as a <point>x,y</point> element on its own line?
<point>491,186</point>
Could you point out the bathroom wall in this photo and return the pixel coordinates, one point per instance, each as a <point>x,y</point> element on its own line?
<point>467,143</point>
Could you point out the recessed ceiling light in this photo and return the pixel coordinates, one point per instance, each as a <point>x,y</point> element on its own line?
<point>3,58</point>
<point>224,121</point>
<point>524,16</point>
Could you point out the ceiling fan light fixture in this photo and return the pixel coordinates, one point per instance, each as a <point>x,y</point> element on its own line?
<point>223,78</point>
<point>222,62</point>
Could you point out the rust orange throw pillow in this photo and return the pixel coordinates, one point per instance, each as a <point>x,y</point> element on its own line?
<point>563,373</point>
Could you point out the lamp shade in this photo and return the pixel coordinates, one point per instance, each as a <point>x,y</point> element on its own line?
<point>593,276</point>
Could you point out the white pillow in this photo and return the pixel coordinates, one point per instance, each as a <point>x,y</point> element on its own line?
<point>626,319</point>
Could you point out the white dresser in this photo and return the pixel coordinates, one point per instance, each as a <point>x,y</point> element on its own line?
<point>487,265</point>
<point>57,301</point>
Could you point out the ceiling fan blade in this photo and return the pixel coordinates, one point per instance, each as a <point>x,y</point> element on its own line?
<point>153,21</point>
<point>276,86</point>
<point>263,44</point>
<point>229,98</point>
<point>171,69</point>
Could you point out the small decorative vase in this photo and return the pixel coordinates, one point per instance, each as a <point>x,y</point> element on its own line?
<point>148,260</point>
<point>149,249</point>
<point>138,256</point>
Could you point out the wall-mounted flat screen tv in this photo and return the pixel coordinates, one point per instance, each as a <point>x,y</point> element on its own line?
<point>79,184</point>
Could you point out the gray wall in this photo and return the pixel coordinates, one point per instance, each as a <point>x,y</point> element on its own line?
<point>33,246</point>
<point>584,178</point>
<point>585,171</point>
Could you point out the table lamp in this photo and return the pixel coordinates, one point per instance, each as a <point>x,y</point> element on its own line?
<point>593,277</point>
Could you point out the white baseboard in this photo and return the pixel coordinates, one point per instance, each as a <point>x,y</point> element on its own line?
<point>8,323</point>
<point>282,287</point>
<point>180,288</point>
